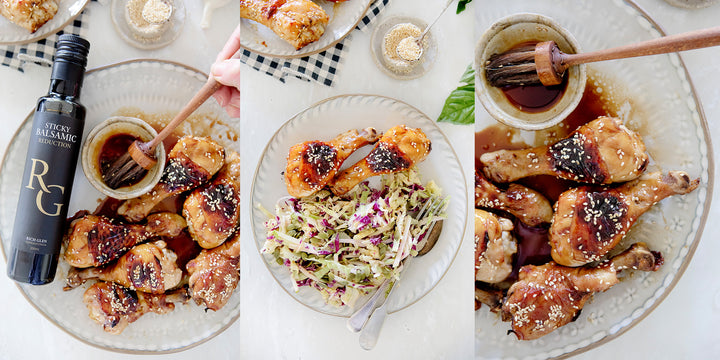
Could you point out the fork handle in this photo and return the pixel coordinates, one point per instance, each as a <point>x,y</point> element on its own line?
<point>371,332</point>
<point>358,319</point>
<point>667,44</point>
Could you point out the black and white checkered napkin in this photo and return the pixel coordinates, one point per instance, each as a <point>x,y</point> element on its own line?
<point>42,51</point>
<point>321,67</point>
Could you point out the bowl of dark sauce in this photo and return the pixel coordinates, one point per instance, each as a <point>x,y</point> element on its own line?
<point>528,107</point>
<point>110,140</point>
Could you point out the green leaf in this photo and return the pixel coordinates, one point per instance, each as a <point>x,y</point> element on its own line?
<point>461,5</point>
<point>459,107</point>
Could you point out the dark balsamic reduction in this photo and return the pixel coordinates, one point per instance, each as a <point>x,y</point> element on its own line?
<point>113,148</point>
<point>534,98</point>
<point>184,247</point>
<point>533,245</point>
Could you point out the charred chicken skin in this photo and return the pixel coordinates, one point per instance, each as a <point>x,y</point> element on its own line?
<point>588,223</point>
<point>214,274</point>
<point>148,267</point>
<point>114,307</point>
<point>94,241</point>
<point>313,164</point>
<point>398,149</point>
<point>602,151</point>
<point>213,210</point>
<point>549,296</point>
<point>299,22</point>
<point>494,247</point>
<point>191,163</point>
<point>526,204</point>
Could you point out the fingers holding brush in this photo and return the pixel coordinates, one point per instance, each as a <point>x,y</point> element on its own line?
<point>226,70</point>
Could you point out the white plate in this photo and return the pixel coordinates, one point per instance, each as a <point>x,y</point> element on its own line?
<point>661,105</point>
<point>153,87</point>
<point>344,16</point>
<point>11,33</point>
<point>324,121</point>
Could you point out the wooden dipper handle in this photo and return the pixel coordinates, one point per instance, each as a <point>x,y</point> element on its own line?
<point>673,43</point>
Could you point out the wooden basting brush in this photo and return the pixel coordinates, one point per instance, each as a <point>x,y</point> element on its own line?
<point>140,155</point>
<point>544,63</point>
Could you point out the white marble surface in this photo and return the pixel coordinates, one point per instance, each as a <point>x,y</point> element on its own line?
<point>24,332</point>
<point>440,325</point>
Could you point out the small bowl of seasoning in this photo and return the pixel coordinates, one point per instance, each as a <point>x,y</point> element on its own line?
<point>531,107</point>
<point>108,141</point>
<point>396,51</point>
<point>148,24</point>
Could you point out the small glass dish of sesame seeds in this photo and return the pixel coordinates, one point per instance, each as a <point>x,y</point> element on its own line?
<point>148,24</point>
<point>395,55</point>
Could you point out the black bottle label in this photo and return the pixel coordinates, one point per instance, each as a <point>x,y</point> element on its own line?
<point>47,182</point>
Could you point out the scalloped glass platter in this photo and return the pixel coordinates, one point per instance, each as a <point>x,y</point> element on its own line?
<point>106,91</point>
<point>344,16</point>
<point>67,11</point>
<point>657,100</point>
<point>323,121</point>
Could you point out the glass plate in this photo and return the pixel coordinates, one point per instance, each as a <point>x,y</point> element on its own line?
<point>67,11</point>
<point>344,16</point>
<point>324,121</point>
<point>105,91</point>
<point>659,102</point>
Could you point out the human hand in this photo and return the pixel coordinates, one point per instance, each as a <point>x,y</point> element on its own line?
<point>227,72</point>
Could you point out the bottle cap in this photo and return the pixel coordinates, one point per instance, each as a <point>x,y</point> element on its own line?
<point>72,48</point>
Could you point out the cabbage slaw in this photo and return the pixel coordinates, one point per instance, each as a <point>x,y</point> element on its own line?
<point>346,247</point>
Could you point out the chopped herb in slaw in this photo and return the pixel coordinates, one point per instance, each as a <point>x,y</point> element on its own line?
<point>346,247</point>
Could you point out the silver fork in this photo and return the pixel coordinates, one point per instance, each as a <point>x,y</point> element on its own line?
<point>373,312</point>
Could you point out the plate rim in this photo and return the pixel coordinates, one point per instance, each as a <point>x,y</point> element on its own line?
<point>706,208</point>
<point>332,98</point>
<point>313,52</point>
<point>51,32</point>
<point>222,329</point>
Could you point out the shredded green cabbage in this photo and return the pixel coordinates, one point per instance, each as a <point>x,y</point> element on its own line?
<point>346,247</point>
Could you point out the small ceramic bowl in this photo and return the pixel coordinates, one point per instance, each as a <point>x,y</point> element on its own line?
<point>93,146</point>
<point>504,35</point>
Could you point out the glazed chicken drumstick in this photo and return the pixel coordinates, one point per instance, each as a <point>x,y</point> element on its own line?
<point>313,164</point>
<point>526,204</point>
<point>588,223</point>
<point>148,267</point>
<point>114,307</point>
<point>398,149</point>
<point>191,162</point>
<point>494,247</point>
<point>214,274</point>
<point>602,151</point>
<point>549,296</point>
<point>96,240</point>
<point>298,22</point>
<point>213,210</point>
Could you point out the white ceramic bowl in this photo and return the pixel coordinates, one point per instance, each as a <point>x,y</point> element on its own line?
<point>504,35</point>
<point>94,143</point>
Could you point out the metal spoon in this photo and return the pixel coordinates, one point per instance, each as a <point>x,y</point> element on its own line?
<point>418,40</point>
